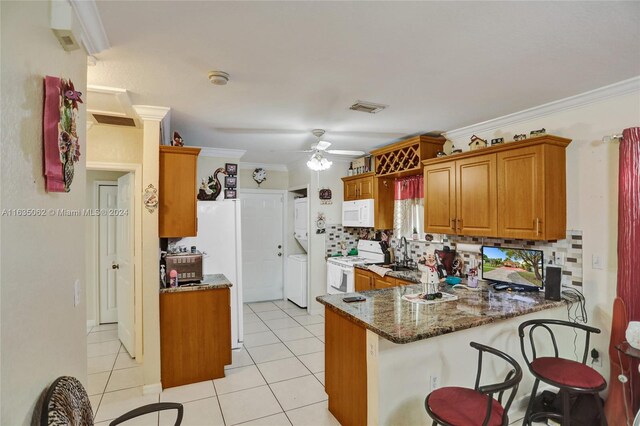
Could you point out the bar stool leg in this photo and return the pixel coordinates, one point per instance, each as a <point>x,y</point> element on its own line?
<point>526,421</point>
<point>603,418</point>
<point>566,408</point>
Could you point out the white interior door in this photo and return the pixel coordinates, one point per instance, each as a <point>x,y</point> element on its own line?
<point>124,263</point>
<point>262,246</point>
<point>108,196</point>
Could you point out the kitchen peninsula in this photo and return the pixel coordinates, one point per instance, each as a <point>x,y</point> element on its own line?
<point>195,331</point>
<point>383,355</point>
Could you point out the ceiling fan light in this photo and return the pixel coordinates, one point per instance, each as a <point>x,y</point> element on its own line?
<point>318,163</point>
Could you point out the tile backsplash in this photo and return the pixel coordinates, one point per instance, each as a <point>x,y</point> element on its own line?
<point>571,247</point>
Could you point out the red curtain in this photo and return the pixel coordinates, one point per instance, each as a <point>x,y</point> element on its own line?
<point>409,188</point>
<point>629,234</point>
<point>629,222</point>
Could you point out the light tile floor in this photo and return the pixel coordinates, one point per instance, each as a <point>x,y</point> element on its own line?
<point>277,379</point>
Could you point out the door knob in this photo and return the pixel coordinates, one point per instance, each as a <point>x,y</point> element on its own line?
<point>279,254</point>
<point>279,246</point>
<point>115,266</point>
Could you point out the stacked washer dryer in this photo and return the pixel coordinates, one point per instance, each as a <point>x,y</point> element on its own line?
<point>295,288</point>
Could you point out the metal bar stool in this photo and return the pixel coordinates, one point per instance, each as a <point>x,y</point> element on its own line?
<point>570,377</point>
<point>455,406</point>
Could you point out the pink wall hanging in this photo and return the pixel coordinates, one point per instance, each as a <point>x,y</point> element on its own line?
<point>60,138</point>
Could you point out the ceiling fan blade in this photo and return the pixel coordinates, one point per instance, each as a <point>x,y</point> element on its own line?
<point>322,145</point>
<point>344,152</point>
<point>307,151</point>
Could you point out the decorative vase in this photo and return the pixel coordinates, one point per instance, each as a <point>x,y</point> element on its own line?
<point>633,334</point>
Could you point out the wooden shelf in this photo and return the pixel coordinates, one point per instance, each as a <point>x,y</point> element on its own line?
<point>405,158</point>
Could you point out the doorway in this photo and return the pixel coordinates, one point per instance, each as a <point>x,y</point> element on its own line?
<point>262,223</point>
<point>111,275</point>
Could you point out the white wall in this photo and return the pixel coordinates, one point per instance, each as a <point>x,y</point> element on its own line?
<point>43,335</point>
<point>592,173</point>
<point>91,241</point>
<point>114,144</point>
<point>299,174</point>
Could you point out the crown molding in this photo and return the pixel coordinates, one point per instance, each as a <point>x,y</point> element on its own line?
<point>621,88</point>
<point>271,167</point>
<point>152,113</point>
<point>94,37</point>
<point>207,151</point>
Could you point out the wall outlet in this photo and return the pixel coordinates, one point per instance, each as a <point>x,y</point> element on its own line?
<point>558,259</point>
<point>76,293</point>
<point>434,383</point>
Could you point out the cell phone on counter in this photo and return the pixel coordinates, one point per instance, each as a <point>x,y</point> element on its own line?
<point>352,299</point>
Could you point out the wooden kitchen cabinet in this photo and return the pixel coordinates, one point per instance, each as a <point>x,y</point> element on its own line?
<point>532,193</point>
<point>177,192</point>
<point>460,196</point>
<point>359,187</point>
<point>380,283</point>
<point>362,280</point>
<point>513,190</point>
<point>195,335</point>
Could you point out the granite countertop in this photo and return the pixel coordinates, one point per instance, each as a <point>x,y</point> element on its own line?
<point>399,321</point>
<point>413,275</point>
<point>209,282</point>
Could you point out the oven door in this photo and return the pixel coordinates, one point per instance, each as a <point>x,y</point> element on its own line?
<point>340,279</point>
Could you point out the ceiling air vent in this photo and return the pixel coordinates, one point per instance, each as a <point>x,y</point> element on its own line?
<point>368,107</point>
<point>114,120</point>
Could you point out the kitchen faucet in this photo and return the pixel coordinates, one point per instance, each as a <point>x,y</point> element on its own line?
<point>405,255</point>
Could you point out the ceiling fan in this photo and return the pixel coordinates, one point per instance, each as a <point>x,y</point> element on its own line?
<point>318,162</point>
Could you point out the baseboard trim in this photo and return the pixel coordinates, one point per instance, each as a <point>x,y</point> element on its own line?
<point>152,389</point>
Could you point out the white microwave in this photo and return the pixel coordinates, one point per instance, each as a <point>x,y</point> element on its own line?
<point>358,213</point>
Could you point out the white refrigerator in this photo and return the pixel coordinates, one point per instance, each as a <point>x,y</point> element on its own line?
<point>220,242</point>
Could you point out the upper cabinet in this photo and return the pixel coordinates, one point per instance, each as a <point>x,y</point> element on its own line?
<point>515,190</point>
<point>359,187</point>
<point>177,192</point>
<point>461,196</point>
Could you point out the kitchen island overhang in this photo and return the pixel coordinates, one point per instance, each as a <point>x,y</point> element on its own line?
<point>383,355</point>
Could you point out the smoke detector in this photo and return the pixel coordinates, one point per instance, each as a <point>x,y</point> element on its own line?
<point>219,78</point>
<point>368,107</point>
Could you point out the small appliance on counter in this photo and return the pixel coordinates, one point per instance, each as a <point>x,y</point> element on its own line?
<point>187,265</point>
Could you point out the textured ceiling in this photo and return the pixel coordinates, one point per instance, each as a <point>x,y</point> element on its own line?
<point>296,66</point>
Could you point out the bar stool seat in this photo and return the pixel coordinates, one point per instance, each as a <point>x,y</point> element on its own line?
<point>562,372</point>
<point>457,406</point>
<point>461,406</point>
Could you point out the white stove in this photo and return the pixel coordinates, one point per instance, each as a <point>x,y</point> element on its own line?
<point>340,270</point>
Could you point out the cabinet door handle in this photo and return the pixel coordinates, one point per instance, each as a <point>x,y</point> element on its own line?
<point>459,224</point>
<point>453,223</point>
<point>537,226</point>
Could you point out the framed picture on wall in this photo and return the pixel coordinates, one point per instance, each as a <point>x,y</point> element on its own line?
<point>231,169</point>
<point>230,194</point>
<point>230,182</point>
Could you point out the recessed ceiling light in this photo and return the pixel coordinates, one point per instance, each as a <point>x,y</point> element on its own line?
<point>219,78</point>
<point>368,107</point>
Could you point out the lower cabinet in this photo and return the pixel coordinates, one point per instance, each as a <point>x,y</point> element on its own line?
<point>195,335</point>
<point>366,280</point>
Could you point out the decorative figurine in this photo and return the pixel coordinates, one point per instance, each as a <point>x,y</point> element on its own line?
<point>472,278</point>
<point>536,133</point>
<point>519,137</point>
<point>210,187</point>
<point>458,265</point>
<point>440,154</point>
<point>497,141</point>
<point>455,150</point>
<point>429,277</point>
<point>177,139</point>
<point>477,143</point>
